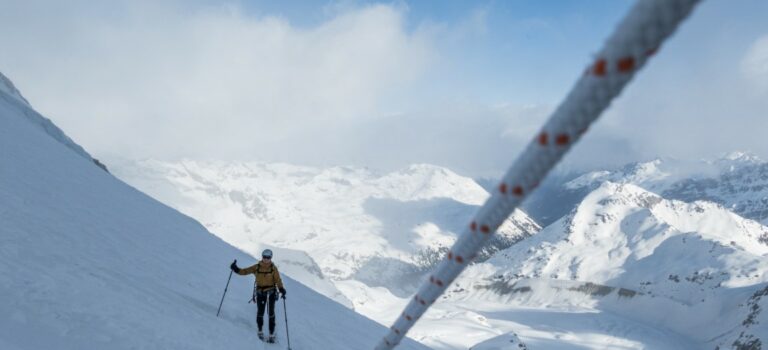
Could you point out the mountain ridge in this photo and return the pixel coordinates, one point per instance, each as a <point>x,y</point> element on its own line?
<point>737,180</point>
<point>406,217</point>
<point>637,255</point>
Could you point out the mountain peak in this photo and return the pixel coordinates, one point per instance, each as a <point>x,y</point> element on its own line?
<point>627,194</point>
<point>640,173</point>
<point>23,110</point>
<point>735,161</point>
<point>6,86</point>
<point>742,157</point>
<point>426,181</point>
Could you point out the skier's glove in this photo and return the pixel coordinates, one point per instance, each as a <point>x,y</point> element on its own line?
<point>282,293</point>
<point>234,267</point>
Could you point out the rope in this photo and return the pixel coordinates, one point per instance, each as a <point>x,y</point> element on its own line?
<point>637,37</point>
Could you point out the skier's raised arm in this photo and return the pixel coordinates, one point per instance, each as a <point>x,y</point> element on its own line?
<point>246,271</point>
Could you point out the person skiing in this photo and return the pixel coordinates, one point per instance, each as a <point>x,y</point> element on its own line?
<point>268,283</point>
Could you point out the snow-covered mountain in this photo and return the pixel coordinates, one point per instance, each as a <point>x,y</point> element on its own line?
<point>373,235</point>
<point>627,266</point>
<point>649,273</point>
<point>384,230</point>
<point>88,262</point>
<point>738,181</point>
<point>605,275</point>
<point>741,185</point>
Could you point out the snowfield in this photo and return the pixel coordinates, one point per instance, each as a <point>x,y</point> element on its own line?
<point>384,230</point>
<point>626,268</point>
<point>88,262</point>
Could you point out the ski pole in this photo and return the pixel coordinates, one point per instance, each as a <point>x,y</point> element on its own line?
<point>225,290</point>
<point>285,312</point>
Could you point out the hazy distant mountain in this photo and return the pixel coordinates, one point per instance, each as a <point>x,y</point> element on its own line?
<point>738,181</point>
<point>611,268</point>
<point>385,230</point>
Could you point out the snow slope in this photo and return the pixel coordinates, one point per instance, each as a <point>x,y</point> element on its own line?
<point>88,262</point>
<point>13,100</point>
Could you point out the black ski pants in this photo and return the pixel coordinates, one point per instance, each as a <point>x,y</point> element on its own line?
<point>266,300</point>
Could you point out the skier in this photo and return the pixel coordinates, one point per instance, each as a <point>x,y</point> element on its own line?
<point>268,283</point>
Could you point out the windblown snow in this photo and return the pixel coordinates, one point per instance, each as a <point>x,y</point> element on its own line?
<point>87,262</point>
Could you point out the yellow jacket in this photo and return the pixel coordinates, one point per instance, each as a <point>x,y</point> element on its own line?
<point>267,276</point>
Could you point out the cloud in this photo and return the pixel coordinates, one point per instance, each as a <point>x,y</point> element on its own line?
<point>371,84</point>
<point>690,103</point>
<point>468,138</point>
<point>704,94</point>
<point>166,80</point>
<point>754,66</point>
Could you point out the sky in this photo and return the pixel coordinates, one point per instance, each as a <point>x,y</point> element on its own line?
<point>462,84</point>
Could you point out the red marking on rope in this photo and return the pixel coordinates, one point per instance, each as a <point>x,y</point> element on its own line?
<point>459,259</point>
<point>397,331</point>
<point>543,139</point>
<point>450,256</point>
<point>436,281</point>
<point>485,229</point>
<point>503,188</point>
<point>422,302</point>
<point>473,226</point>
<point>599,68</point>
<point>409,318</point>
<point>517,191</point>
<point>626,64</point>
<point>562,139</point>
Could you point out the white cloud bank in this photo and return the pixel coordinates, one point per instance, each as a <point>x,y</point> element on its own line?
<point>755,64</point>
<point>365,85</point>
<point>147,79</point>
